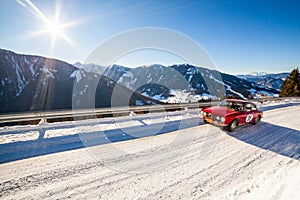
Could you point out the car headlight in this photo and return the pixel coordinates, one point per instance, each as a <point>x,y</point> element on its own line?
<point>218,118</point>
<point>222,119</point>
<point>203,113</point>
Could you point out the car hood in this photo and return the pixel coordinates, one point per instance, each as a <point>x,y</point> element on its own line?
<point>220,111</point>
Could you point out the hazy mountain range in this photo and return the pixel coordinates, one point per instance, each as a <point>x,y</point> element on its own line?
<point>272,80</point>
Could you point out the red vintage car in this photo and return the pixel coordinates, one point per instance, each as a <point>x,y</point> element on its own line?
<point>232,112</point>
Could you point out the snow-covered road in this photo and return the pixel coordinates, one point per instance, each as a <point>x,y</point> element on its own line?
<point>196,162</point>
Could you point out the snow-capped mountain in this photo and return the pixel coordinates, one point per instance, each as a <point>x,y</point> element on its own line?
<point>92,68</point>
<point>184,83</point>
<point>33,83</point>
<point>272,80</point>
<point>78,64</point>
<point>258,74</point>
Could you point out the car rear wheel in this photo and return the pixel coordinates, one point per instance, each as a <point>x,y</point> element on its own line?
<point>257,119</point>
<point>232,125</point>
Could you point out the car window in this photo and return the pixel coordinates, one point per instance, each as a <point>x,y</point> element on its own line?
<point>248,107</point>
<point>237,106</point>
<point>253,107</point>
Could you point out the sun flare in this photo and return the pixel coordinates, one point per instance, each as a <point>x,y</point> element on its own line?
<point>54,28</point>
<point>51,27</point>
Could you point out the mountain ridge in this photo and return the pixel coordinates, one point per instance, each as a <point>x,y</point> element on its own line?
<point>36,83</point>
<point>197,81</point>
<point>33,83</point>
<point>270,80</point>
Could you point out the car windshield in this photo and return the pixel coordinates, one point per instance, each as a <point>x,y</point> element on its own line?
<point>238,106</point>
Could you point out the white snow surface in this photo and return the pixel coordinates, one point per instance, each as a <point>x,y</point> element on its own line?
<point>254,162</point>
<point>182,96</point>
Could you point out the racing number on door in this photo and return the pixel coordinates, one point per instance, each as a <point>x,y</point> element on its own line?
<point>249,117</point>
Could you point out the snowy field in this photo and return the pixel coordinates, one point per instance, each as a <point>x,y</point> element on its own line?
<point>192,160</point>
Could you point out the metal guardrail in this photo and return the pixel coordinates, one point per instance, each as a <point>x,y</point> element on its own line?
<point>115,111</point>
<point>274,99</point>
<point>101,112</point>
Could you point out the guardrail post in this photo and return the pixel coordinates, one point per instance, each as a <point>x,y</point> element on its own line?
<point>42,116</point>
<point>42,132</point>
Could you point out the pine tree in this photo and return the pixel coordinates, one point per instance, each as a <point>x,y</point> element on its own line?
<point>291,86</point>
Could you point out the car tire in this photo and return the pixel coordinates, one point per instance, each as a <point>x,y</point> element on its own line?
<point>257,119</point>
<point>233,125</point>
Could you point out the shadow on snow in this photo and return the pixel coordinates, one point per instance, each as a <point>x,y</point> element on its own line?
<point>281,140</point>
<point>42,146</point>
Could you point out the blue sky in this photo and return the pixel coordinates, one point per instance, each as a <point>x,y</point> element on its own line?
<point>240,36</point>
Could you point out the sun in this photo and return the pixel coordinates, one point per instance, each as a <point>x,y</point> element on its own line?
<point>54,28</point>
<point>50,26</point>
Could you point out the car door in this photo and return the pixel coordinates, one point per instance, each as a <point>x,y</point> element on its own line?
<point>249,113</point>
<point>241,115</point>
<point>254,111</point>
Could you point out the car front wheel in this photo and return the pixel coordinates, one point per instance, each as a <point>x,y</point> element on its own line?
<point>232,125</point>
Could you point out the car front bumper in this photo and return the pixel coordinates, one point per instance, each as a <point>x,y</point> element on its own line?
<point>216,123</point>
